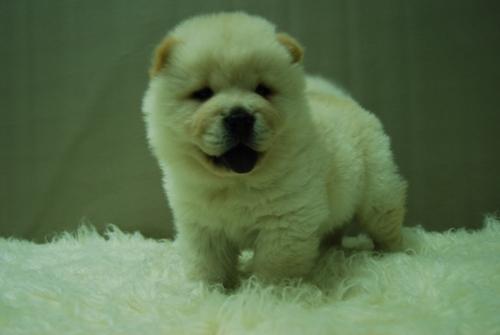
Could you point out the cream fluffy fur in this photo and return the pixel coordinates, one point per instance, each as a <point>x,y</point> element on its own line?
<point>448,283</point>
<point>323,160</point>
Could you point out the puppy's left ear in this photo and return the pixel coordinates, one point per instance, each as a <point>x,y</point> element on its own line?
<point>293,47</point>
<point>160,56</point>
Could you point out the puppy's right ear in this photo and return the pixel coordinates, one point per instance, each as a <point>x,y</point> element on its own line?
<point>160,56</point>
<point>293,47</point>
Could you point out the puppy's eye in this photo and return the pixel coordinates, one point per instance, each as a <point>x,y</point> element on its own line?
<point>203,94</point>
<point>264,91</point>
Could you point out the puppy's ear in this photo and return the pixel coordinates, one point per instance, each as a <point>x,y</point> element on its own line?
<point>161,54</point>
<point>293,47</point>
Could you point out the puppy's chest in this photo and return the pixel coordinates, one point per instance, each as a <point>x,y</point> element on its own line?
<point>243,205</point>
<point>242,212</point>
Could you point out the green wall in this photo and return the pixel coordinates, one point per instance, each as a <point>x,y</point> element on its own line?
<point>72,144</point>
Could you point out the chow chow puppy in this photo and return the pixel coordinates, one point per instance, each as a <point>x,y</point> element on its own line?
<point>257,155</point>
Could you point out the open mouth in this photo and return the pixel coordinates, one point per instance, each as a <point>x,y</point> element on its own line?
<point>240,159</point>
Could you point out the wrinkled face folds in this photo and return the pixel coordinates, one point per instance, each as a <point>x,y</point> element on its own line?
<point>230,114</point>
<point>235,126</point>
<point>226,102</point>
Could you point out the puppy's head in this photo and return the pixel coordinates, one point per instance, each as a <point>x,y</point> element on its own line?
<point>223,89</point>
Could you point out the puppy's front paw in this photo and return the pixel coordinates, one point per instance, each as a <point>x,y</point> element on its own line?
<point>209,258</point>
<point>275,260</point>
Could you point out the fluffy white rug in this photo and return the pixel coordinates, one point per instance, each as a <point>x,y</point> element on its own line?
<point>83,283</point>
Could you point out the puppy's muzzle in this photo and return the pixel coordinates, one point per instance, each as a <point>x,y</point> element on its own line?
<point>239,127</point>
<point>239,124</point>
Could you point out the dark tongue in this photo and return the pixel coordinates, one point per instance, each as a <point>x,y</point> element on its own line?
<point>240,159</point>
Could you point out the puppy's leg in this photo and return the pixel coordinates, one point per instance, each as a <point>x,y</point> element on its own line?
<point>209,256</point>
<point>280,253</point>
<point>383,224</point>
<point>382,209</point>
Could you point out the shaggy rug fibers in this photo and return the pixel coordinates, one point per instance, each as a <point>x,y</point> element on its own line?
<point>84,283</point>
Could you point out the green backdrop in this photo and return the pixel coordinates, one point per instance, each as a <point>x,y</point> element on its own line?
<point>72,74</point>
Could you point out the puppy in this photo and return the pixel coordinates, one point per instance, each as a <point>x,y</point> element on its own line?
<point>256,155</point>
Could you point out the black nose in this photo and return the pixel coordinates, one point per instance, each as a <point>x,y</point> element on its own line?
<point>239,123</point>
